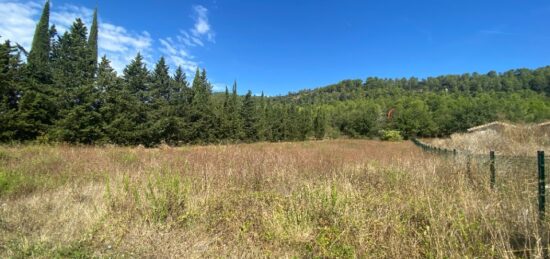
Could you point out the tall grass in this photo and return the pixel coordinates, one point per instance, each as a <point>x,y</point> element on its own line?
<point>342,198</point>
<point>521,140</point>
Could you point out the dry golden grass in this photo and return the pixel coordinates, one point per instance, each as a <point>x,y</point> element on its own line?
<point>522,140</point>
<point>342,198</point>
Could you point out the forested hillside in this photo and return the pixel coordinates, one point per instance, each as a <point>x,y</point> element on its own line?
<point>63,93</point>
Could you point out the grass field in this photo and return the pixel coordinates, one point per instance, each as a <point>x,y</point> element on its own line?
<point>340,198</point>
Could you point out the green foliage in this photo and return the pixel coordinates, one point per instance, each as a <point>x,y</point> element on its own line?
<point>319,125</point>
<point>63,94</point>
<point>92,43</point>
<point>39,55</point>
<point>250,119</point>
<point>391,135</point>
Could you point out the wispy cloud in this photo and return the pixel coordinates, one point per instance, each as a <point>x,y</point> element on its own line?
<point>120,44</point>
<point>202,26</point>
<point>494,32</point>
<point>177,55</point>
<point>177,49</point>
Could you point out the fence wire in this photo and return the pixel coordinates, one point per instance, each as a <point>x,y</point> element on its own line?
<point>513,175</point>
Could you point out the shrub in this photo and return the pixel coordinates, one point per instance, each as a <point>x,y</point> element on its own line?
<point>391,135</point>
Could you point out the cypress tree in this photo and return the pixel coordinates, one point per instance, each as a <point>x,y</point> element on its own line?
<point>38,58</point>
<point>92,43</point>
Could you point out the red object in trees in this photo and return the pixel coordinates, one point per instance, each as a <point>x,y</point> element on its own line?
<point>389,115</point>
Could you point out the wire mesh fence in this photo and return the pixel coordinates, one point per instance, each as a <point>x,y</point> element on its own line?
<point>520,175</point>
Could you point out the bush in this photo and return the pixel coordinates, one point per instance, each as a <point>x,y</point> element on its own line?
<point>391,135</point>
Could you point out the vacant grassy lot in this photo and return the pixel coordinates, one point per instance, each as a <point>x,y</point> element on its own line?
<point>343,198</point>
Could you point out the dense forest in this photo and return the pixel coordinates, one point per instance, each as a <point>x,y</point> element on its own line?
<point>64,93</point>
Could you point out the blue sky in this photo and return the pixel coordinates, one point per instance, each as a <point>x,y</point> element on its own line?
<point>282,46</point>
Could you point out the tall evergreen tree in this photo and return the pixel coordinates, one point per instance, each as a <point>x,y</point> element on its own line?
<point>10,91</point>
<point>263,131</point>
<point>70,62</point>
<point>225,120</point>
<point>38,59</point>
<point>120,109</point>
<point>234,115</point>
<point>80,119</point>
<point>166,125</point>
<point>161,83</point>
<point>250,119</point>
<point>92,43</point>
<point>136,77</point>
<point>202,118</point>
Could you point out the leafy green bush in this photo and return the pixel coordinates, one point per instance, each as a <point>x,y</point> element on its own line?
<point>391,135</point>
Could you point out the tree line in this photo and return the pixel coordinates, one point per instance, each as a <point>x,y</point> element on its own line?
<point>65,93</point>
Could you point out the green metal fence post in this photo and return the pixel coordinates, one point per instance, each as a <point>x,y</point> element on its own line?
<point>469,165</point>
<point>542,185</point>
<point>493,169</point>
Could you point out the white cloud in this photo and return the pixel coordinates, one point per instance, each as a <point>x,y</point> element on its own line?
<point>64,16</point>
<point>121,45</point>
<point>201,21</point>
<point>218,87</point>
<point>18,22</point>
<point>178,56</point>
<point>177,49</point>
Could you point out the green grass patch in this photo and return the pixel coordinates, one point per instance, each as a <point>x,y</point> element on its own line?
<point>17,183</point>
<point>23,249</point>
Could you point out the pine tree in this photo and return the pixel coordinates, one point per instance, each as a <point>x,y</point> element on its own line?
<point>248,113</point>
<point>10,91</point>
<point>263,131</point>
<point>70,62</point>
<point>161,84</point>
<point>136,77</point>
<point>92,44</point>
<point>165,124</point>
<point>136,87</point>
<point>202,119</point>
<point>235,119</point>
<point>120,109</point>
<point>182,101</point>
<point>26,106</point>
<point>38,59</point>
<point>181,86</point>
<point>80,120</point>
<point>225,121</point>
